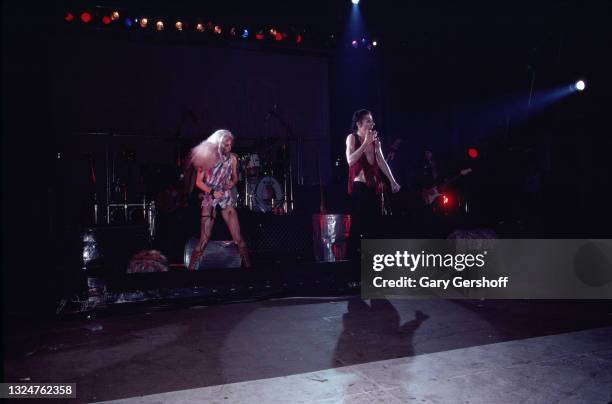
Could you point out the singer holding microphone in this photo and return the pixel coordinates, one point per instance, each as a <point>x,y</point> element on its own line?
<point>366,161</point>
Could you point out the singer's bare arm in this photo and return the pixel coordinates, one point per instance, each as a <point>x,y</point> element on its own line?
<point>352,154</point>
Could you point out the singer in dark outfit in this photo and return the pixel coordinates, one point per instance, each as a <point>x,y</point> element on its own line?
<point>366,161</point>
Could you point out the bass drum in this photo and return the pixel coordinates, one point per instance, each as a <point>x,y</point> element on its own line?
<point>268,195</point>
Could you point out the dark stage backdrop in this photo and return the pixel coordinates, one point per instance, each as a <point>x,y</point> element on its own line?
<point>151,91</point>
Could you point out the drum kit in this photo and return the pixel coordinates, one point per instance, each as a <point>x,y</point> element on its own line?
<point>265,180</point>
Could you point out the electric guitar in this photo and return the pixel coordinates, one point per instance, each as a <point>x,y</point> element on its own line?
<point>429,195</point>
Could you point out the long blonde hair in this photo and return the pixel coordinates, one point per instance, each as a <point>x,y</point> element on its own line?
<point>201,153</point>
<point>219,135</point>
<point>202,149</point>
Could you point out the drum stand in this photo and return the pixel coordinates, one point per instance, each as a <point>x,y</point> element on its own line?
<point>149,210</point>
<point>288,203</point>
<point>248,196</point>
<point>128,211</point>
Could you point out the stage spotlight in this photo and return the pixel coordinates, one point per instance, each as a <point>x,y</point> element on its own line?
<point>375,44</point>
<point>278,36</point>
<point>144,22</point>
<point>245,33</point>
<point>354,44</point>
<point>200,27</point>
<point>178,26</point>
<point>298,39</point>
<point>69,17</point>
<point>473,152</point>
<point>580,85</point>
<point>218,30</point>
<point>128,22</point>
<point>115,15</point>
<point>106,20</point>
<point>159,25</point>
<point>259,36</point>
<point>85,17</point>
<point>355,2</point>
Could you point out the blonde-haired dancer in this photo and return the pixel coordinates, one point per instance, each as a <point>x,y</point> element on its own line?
<point>216,184</point>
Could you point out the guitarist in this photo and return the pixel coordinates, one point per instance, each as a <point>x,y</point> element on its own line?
<point>427,174</point>
<point>429,180</point>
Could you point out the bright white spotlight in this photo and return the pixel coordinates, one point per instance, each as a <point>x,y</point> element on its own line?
<point>355,1</point>
<point>580,85</point>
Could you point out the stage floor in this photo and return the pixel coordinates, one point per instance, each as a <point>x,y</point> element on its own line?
<point>571,367</point>
<point>334,349</point>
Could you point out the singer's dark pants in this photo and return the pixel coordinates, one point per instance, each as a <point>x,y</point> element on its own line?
<point>365,212</point>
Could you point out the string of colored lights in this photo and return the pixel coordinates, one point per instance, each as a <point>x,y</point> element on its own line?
<point>108,17</point>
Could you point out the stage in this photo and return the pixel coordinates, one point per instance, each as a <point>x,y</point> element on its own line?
<point>325,349</point>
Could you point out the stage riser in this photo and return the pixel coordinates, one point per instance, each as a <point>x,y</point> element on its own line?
<point>107,250</point>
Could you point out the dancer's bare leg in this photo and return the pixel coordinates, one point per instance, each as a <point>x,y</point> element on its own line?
<point>207,222</point>
<point>231,219</point>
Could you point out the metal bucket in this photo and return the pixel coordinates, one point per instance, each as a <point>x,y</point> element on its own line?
<point>331,237</point>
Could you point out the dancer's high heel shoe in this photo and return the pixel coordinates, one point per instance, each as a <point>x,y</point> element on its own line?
<point>245,258</point>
